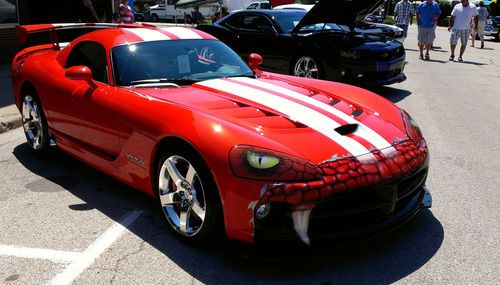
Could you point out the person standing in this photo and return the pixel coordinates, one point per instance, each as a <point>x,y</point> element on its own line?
<point>403,13</point>
<point>427,15</point>
<point>460,28</point>
<point>126,12</point>
<point>197,16</point>
<point>481,23</point>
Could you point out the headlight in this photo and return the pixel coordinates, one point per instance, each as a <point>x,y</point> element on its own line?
<point>349,54</point>
<point>265,164</point>
<point>261,161</point>
<point>412,129</point>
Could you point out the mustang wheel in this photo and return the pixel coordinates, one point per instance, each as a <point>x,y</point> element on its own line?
<point>307,67</point>
<point>35,124</point>
<point>188,196</point>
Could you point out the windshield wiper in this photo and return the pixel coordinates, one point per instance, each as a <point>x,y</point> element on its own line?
<point>181,81</point>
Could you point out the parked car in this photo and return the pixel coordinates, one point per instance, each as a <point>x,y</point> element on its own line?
<point>370,25</point>
<point>224,147</point>
<point>259,5</point>
<point>321,43</point>
<point>493,27</point>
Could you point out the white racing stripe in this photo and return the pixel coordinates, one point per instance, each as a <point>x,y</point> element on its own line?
<point>182,33</point>
<point>294,111</point>
<point>148,34</point>
<point>363,131</point>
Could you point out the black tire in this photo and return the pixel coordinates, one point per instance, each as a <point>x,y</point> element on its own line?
<point>35,124</point>
<point>202,188</point>
<point>155,18</point>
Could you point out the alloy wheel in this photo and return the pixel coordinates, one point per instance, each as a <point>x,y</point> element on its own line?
<point>306,67</point>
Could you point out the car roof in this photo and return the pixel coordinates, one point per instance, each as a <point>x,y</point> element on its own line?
<point>270,12</point>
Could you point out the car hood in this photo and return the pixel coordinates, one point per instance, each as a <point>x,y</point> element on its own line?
<point>341,12</point>
<point>313,123</point>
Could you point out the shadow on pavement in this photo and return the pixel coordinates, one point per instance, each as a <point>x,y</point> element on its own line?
<point>382,260</point>
<point>391,93</point>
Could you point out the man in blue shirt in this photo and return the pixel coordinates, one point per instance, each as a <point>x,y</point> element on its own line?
<point>427,15</point>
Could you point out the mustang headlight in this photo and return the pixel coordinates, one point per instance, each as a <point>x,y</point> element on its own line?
<point>412,129</point>
<point>264,164</point>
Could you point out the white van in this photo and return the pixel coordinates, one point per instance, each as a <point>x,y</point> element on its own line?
<point>166,10</point>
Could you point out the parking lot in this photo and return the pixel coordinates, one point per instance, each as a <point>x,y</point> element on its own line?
<point>65,223</point>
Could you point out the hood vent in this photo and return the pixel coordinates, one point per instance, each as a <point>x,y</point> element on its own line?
<point>347,129</point>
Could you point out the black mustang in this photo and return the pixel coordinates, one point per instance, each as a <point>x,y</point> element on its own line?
<point>320,43</point>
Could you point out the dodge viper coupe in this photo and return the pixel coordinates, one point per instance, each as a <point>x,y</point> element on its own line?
<point>321,43</point>
<point>223,146</point>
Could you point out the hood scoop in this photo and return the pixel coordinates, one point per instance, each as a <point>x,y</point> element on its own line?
<point>347,129</point>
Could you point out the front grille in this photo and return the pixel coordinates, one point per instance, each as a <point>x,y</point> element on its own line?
<point>351,211</point>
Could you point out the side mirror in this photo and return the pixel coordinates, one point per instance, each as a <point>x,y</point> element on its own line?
<point>80,73</point>
<point>254,60</point>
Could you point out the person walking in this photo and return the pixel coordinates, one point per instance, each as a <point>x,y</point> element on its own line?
<point>126,12</point>
<point>460,28</point>
<point>403,13</point>
<point>197,16</point>
<point>427,15</point>
<point>481,23</point>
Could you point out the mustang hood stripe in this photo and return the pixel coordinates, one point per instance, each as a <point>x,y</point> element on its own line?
<point>307,116</point>
<point>182,33</point>
<point>148,34</point>
<point>363,131</point>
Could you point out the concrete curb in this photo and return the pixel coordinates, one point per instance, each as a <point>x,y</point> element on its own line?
<point>10,118</point>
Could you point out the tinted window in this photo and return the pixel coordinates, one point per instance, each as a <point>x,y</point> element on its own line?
<point>233,22</point>
<point>8,12</point>
<point>256,23</point>
<point>92,55</point>
<point>182,62</point>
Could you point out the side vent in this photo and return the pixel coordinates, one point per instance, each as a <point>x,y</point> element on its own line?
<point>347,129</point>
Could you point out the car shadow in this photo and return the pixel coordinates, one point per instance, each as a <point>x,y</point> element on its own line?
<point>381,260</point>
<point>391,93</point>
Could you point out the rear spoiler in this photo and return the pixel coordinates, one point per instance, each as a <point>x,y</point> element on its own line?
<point>22,32</point>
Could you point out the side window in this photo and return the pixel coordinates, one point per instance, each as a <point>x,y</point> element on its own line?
<point>253,6</point>
<point>233,22</point>
<point>257,23</point>
<point>92,55</point>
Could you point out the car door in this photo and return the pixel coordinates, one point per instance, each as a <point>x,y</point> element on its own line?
<point>84,113</point>
<point>256,33</point>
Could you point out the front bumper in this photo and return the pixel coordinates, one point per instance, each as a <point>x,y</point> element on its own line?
<point>352,216</point>
<point>371,72</point>
<point>351,200</point>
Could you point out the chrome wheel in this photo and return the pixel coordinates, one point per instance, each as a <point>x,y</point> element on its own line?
<point>306,67</point>
<point>33,123</point>
<point>182,195</point>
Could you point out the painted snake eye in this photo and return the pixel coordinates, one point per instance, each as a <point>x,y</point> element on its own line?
<point>261,161</point>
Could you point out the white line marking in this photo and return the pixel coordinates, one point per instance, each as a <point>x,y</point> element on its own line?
<point>39,253</point>
<point>92,252</point>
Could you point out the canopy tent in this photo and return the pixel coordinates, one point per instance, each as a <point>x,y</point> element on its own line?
<point>191,3</point>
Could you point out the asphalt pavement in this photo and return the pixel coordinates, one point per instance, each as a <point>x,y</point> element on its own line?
<point>63,222</point>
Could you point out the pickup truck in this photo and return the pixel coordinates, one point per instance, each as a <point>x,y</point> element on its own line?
<point>166,10</point>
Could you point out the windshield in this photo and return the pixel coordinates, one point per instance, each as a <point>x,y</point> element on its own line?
<point>178,61</point>
<point>288,21</point>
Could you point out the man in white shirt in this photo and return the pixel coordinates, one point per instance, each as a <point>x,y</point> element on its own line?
<point>460,28</point>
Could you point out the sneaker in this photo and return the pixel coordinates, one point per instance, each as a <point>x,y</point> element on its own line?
<point>452,57</point>
<point>482,45</point>
<point>460,59</point>
<point>421,56</point>
<point>427,56</point>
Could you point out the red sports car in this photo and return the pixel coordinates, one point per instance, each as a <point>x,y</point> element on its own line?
<point>223,146</point>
